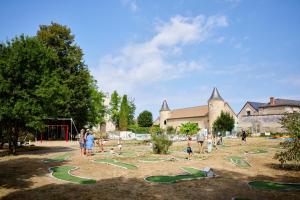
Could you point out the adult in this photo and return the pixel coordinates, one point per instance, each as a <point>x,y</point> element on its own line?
<point>244,135</point>
<point>81,142</point>
<point>200,140</point>
<point>89,143</point>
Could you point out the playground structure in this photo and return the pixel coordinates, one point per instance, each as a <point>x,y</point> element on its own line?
<point>58,129</point>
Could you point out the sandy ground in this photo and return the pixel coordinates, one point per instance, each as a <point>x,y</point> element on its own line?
<point>26,176</point>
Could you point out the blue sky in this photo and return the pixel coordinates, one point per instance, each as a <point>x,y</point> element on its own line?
<point>177,49</point>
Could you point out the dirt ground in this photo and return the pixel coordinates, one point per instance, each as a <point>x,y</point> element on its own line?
<point>26,176</point>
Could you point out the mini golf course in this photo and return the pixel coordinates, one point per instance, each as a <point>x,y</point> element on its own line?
<point>239,161</point>
<point>192,173</point>
<point>151,160</point>
<point>63,173</point>
<point>268,185</point>
<point>60,158</point>
<point>116,163</point>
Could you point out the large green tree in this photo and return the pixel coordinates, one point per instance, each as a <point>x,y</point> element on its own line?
<point>114,108</point>
<point>123,124</point>
<point>80,104</point>
<point>29,86</point>
<point>224,122</point>
<point>131,112</point>
<point>145,119</point>
<point>291,148</point>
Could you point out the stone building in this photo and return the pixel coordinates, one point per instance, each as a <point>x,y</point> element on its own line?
<point>265,117</point>
<point>203,115</point>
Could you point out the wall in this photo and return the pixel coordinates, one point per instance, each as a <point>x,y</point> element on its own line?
<point>202,121</point>
<point>246,108</point>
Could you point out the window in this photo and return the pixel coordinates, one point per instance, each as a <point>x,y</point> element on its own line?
<point>165,122</point>
<point>248,113</point>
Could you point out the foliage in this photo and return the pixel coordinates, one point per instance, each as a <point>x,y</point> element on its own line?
<point>170,130</point>
<point>123,124</point>
<point>45,76</point>
<point>136,129</point>
<point>155,129</point>
<point>189,128</point>
<point>224,122</point>
<point>161,143</point>
<point>131,112</point>
<point>145,119</point>
<point>291,152</point>
<point>114,104</point>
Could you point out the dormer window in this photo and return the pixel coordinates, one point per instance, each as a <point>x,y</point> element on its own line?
<point>248,113</point>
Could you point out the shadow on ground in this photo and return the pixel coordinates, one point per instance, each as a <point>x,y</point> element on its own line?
<point>229,184</point>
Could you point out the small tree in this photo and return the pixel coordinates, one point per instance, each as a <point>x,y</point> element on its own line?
<point>131,111</point>
<point>161,143</point>
<point>123,124</point>
<point>225,122</point>
<point>145,119</point>
<point>189,128</point>
<point>291,152</point>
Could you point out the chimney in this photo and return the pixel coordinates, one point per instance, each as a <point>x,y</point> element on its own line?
<point>272,101</point>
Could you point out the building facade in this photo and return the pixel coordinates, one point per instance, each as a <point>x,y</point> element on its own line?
<point>265,117</point>
<point>204,115</point>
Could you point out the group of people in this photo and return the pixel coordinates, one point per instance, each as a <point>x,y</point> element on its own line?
<point>87,143</point>
<point>211,141</point>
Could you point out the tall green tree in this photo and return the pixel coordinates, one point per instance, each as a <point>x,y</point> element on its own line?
<point>145,119</point>
<point>131,112</point>
<point>189,128</point>
<point>27,68</point>
<point>114,109</point>
<point>73,72</point>
<point>225,122</point>
<point>291,148</point>
<point>123,124</point>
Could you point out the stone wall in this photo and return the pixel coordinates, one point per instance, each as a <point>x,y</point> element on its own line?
<point>260,124</point>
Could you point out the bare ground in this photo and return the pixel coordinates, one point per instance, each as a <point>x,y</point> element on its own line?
<point>26,176</point>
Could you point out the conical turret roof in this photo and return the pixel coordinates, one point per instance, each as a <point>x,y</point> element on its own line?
<point>165,106</point>
<point>215,95</point>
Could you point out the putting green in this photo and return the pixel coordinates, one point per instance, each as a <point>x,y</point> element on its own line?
<point>60,158</point>
<point>239,161</point>
<point>257,151</point>
<point>116,163</point>
<point>274,186</point>
<point>152,159</point>
<point>193,173</point>
<point>63,173</point>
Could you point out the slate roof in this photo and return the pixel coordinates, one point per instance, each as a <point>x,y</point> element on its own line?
<point>165,106</point>
<point>215,95</point>
<point>256,105</point>
<point>282,102</point>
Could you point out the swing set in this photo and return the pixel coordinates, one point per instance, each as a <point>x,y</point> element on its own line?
<point>58,129</point>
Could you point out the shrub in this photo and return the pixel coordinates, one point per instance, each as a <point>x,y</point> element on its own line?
<point>155,129</point>
<point>136,129</point>
<point>170,130</point>
<point>145,119</point>
<point>189,128</point>
<point>161,144</point>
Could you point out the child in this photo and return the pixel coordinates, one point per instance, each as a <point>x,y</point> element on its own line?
<point>119,145</point>
<point>189,148</point>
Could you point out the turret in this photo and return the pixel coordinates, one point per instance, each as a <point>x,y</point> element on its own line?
<point>215,105</point>
<point>164,114</point>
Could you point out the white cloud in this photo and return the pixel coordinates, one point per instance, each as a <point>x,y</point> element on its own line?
<point>153,61</point>
<point>131,4</point>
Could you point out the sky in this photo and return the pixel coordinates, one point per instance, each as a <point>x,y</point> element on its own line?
<point>177,50</point>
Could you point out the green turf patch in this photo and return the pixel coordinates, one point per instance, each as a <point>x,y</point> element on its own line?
<point>127,154</point>
<point>239,161</point>
<point>60,158</point>
<point>116,163</point>
<point>151,159</point>
<point>256,151</point>
<point>268,185</point>
<point>63,173</point>
<point>193,173</point>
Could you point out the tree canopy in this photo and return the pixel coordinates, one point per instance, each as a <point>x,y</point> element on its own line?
<point>224,122</point>
<point>145,119</point>
<point>45,76</point>
<point>189,128</point>
<point>124,114</point>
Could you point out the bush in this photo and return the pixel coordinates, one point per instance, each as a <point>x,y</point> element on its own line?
<point>145,119</point>
<point>170,130</point>
<point>136,129</point>
<point>161,144</point>
<point>155,129</point>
